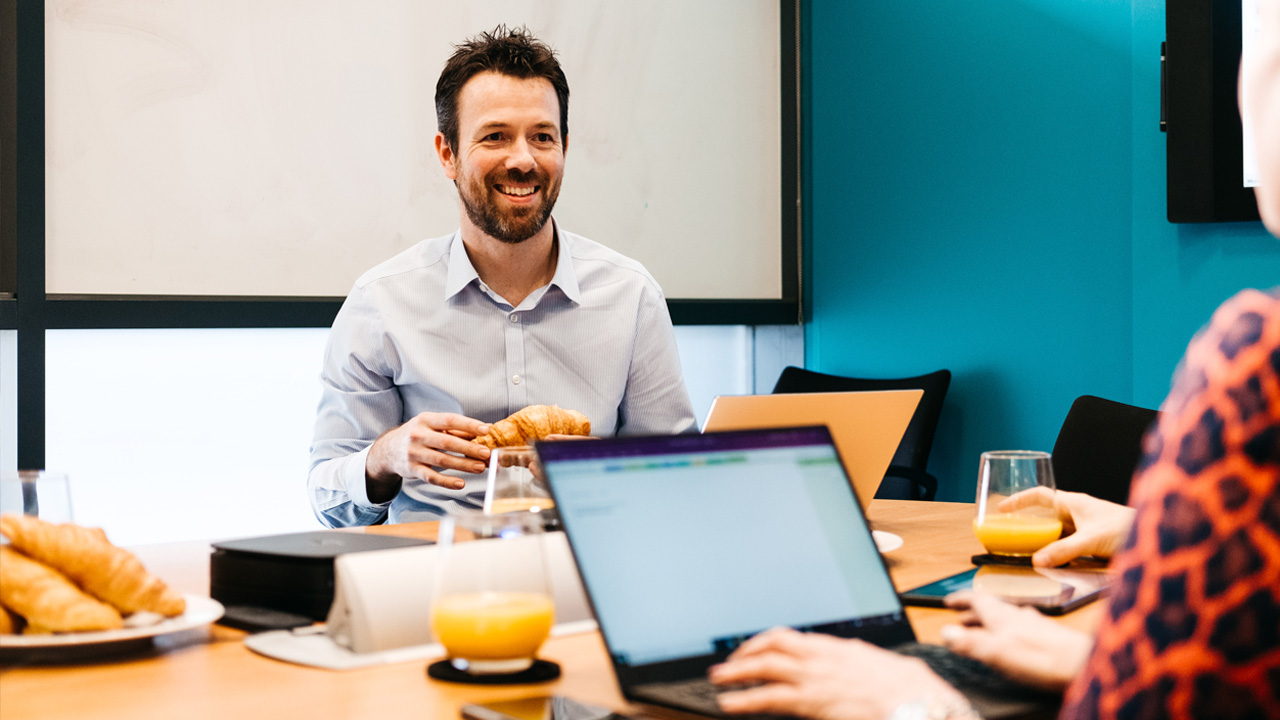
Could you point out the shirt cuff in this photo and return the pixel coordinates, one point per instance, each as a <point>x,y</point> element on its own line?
<point>353,478</point>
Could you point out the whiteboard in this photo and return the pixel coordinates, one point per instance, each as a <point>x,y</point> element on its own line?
<point>282,147</point>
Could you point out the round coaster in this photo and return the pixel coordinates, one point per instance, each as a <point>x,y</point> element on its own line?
<point>992,559</point>
<point>539,671</point>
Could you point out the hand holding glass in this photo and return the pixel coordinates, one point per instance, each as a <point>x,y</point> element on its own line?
<point>1002,474</point>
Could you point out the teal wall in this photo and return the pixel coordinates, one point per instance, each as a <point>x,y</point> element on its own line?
<point>985,192</point>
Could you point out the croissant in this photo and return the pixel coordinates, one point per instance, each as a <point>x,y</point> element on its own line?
<point>49,601</point>
<point>109,573</point>
<point>534,423</point>
<point>8,621</point>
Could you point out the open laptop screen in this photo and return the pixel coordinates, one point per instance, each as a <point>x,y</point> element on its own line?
<point>689,544</point>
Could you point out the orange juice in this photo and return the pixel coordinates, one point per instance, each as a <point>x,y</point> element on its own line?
<point>492,625</point>
<point>519,504</point>
<point>1016,534</point>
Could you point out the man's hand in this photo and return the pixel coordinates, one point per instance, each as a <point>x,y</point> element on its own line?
<point>1096,527</point>
<point>1020,642</point>
<point>421,448</point>
<point>822,677</point>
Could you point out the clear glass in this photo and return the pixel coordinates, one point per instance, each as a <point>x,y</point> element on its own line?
<point>1009,525</point>
<point>493,606</point>
<point>514,483</point>
<point>40,493</point>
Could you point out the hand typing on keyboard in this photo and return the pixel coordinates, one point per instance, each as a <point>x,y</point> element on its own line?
<point>824,677</point>
<point>1018,641</point>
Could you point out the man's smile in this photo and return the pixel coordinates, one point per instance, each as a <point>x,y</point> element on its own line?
<point>516,190</point>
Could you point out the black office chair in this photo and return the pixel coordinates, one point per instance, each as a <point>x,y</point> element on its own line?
<point>907,477</point>
<point>1099,446</point>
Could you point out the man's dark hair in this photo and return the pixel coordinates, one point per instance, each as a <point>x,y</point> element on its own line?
<point>515,52</point>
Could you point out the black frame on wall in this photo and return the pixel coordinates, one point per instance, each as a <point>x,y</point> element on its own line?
<point>28,309</point>
<point>1204,151</point>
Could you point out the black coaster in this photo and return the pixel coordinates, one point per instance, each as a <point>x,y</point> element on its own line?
<point>539,671</point>
<point>1080,563</point>
<point>989,559</point>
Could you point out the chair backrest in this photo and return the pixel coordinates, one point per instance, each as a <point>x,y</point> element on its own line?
<point>1099,447</point>
<point>917,442</point>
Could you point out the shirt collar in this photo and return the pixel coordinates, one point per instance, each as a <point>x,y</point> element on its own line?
<point>566,277</point>
<point>462,273</point>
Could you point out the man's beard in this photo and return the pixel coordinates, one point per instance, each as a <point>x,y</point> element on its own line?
<point>515,224</point>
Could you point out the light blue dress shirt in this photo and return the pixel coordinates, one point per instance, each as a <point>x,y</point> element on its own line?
<point>420,332</point>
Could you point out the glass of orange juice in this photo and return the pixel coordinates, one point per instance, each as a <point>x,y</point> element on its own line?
<point>1021,532</point>
<point>515,486</point>
<point>493,605</point>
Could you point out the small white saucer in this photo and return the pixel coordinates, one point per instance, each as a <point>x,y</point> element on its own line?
<point>886,542</point>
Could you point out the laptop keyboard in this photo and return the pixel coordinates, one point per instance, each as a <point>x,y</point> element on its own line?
<point>970,676</point>
<point>697,694</point>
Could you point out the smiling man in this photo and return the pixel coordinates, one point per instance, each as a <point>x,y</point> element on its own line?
<point>508,311</point>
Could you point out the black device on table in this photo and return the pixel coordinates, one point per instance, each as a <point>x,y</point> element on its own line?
<point>284,581</point>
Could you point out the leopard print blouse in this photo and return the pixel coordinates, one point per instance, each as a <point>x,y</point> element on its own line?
<point>1192,628</point>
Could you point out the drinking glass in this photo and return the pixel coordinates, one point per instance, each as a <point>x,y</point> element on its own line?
<point>493,605</point>
<point>39,493</point>
<point>1015,528</point>
<point>515,485</point>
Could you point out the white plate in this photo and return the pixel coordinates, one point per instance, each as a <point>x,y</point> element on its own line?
<point>200,611</point>
<point>886,541</point>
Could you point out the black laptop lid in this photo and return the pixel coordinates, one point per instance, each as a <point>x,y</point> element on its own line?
<point>689,544</point>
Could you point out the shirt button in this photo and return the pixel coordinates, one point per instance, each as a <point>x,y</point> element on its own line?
<point>515,317</point>
<point>515,379</point>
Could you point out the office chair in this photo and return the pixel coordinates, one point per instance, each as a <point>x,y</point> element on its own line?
<point>907,477</point>
<point>1099,446</point>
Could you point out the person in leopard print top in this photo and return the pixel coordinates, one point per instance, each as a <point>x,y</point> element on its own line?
<point>1192,628</point>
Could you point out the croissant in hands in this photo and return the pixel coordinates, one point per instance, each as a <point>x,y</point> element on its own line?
<point>534,423</point>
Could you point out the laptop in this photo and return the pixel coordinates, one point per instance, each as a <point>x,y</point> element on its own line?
<point>689,544</point>
<point>867,425</point>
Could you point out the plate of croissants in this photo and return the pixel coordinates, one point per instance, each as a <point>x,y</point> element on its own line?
<point>63,584</point>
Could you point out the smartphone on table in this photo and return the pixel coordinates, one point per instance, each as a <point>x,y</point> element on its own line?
<point>1053,591</point>
<point>550,707</point>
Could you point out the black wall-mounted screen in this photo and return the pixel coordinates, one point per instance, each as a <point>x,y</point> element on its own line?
<point>1200,114</point>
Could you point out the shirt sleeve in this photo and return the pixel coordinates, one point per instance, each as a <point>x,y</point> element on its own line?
<point>358,402</point>
<point>1191,626</point>
<point>656,400</point>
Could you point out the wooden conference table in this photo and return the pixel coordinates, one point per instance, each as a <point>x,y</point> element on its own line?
<point>209,673</point>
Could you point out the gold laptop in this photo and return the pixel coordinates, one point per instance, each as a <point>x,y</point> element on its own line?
<point>866,425</point>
